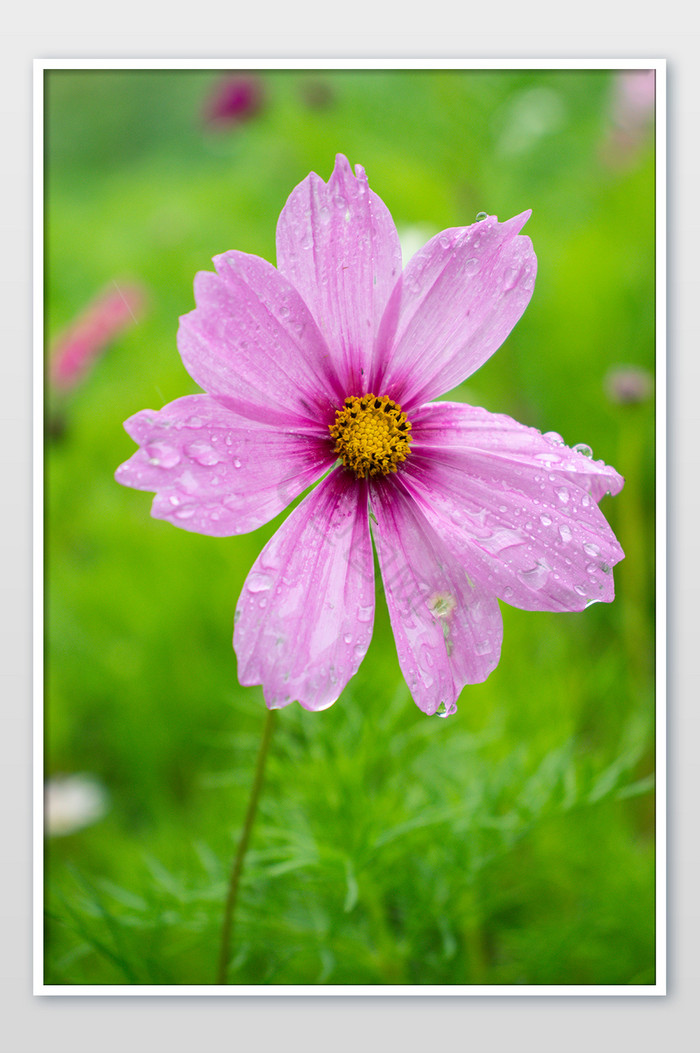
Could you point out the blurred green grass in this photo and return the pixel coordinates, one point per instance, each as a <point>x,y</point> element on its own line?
<point>510,844</point>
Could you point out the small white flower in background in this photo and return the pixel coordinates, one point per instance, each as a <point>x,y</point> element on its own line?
<point>72,802</point>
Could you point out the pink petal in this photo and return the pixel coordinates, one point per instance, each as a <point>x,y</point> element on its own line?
<point>215,472</point>
<point>252,340</point>
<point>448,631</point>
<point>304,617</point>
<point>456,302</point>
<point>338,244</point>
<point>519,508</point>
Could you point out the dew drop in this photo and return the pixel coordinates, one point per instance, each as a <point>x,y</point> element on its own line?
<point>481,216</point>
<point>507,592</point>
<point>510,277</point>
<point>581,447</point>
<point>364,614</point>
<point>590,549</point>
<point>348,638</point>
<point>236,462</point>
<point>201,452</point>
<point>472,265</point>
<point>562,493</point>
<point>535,577</point>
<point>185,511</point>
<point>564,532</point>
<point>545,520</point>
<point>194,422</point>
<point>162,455</point>
<point>258,582</point>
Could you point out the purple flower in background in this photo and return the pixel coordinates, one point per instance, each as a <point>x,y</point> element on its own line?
<point>235,98</point>
<point>324,369</point>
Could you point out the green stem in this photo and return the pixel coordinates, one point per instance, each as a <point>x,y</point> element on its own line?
<point>229,909</point>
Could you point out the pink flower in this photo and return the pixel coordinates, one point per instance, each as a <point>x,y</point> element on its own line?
<point>235,98</point>
<point>323,369</point>
<point>113,311</point>
<point>631,116</point>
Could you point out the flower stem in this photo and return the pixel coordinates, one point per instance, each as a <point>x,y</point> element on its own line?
<point>229,909</point>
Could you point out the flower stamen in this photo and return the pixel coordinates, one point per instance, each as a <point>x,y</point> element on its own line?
<point>372,435</point>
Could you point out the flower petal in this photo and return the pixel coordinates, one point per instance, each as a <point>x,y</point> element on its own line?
<point>215,472</point>
<point>448,631</point>
<point>338,244</point>
<point>252,340</point>
<point>457,301</point>
<point>519,508</point>
<point>304,617</point>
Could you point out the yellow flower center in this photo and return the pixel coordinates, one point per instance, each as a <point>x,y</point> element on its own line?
<point>372,435</point>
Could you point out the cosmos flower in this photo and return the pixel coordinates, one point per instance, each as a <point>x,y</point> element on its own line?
<point>235,98</point>
<point>324,369</point>
<point>631,116</point>
<point>76,350</point>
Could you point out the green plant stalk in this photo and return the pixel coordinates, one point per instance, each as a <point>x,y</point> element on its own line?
<point>232,896</point>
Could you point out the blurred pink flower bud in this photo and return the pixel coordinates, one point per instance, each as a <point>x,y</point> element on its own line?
<point>234,98</point>
<point>628,384</point>
<point>113,311</point>
<point>631,115</point>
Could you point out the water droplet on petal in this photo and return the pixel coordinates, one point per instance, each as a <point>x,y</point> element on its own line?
<point>185,512</point>
<point>581,447</point>
<point>591,549</point>
<point>162,455</point>
<point>536,576</point>
<point>258,582</point>
<point>564,532</point>
<point>194,422</point>
<point>562,493</point>
<point>201,452</point>
<point>472,265</point>
<point>510,277</point>
<point>348,638</point>
<point>480,216</point>
<point>236,462</point>
<point>545,520</point>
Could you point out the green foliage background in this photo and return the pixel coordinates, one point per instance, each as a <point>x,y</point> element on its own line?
<point>513,842</point>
